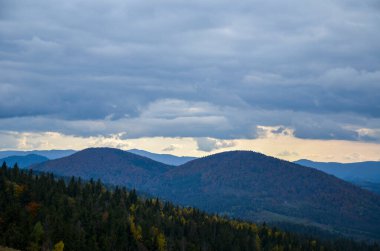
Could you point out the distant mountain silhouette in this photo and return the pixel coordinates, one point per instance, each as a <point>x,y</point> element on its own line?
<point>55,154</point>
<point>50,154</point>
<point>24,161</point>
<point>111,165</point>
<point>368,170</point>
<point>241,184</point>
<point>365,174</point>
<point>163,158</point>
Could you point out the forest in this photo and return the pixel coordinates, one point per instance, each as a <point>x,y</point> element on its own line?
<point>39,211</point>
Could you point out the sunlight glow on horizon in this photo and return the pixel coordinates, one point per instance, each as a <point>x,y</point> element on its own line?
<point>283,146</point>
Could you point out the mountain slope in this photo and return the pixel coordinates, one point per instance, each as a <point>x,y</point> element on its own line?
<point>163,158</point>
<point>24,161</point>
<point>253,186</point>
<point>110,165</point>
<point>41,211</point>
<point>364,174</point>
<point>241,184</point>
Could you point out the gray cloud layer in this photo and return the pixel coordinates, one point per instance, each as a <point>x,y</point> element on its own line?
<point>200,68</point>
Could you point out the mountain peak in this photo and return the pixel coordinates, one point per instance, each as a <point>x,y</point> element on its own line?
<point>109,164</point>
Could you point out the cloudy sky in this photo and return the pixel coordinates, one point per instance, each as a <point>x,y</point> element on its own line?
<point>294,79</point>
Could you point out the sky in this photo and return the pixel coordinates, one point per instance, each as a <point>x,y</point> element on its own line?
<point>293,79</point>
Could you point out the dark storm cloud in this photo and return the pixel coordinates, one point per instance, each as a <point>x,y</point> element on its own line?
<point>199,68</point>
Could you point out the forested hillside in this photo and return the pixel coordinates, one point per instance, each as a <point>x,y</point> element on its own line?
<point>41,212</point>
<point>242,184</point>
<point>257,187</point>
<point>111,165</point>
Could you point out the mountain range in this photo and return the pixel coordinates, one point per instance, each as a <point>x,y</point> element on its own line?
<point>40,210</point>
<point>50,154</point>
<point>168,159</point>
<point>240,184</point>
<point>24,161</point>
<point>368,170</point>
<point>364,174</point>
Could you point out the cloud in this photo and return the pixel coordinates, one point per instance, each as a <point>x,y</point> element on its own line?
<point>209,144</point>
<point>38,45</point>
<point>368,134</point>
<point>170,148</point>
<point>274,131</point>
<point>174,108</point>
<point>206,69</point>
<point>8,140</point>
<point>287,154</point>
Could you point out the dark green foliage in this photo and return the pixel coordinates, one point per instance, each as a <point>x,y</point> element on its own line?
<point>40,212</point>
